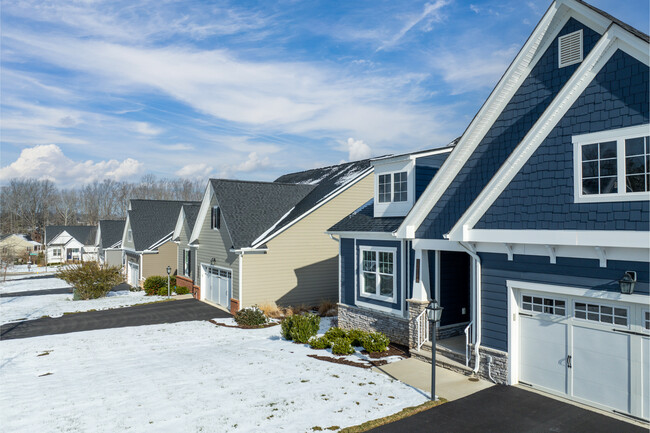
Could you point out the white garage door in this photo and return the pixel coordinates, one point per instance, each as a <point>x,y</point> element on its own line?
<point>592,351</point>
<point>218,285</point>
<point>134,274</point>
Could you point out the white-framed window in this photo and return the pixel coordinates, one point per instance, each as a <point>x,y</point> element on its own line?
<point>601,313</point>
<point>56,252</point>
<point>187,262</point>
<point>378,273</point>
<point>612,165</point>
<point>543,304</point>
<point>392,187</point>
<point>215,218</point>
<point>129,235</point>
<point>384,188</point>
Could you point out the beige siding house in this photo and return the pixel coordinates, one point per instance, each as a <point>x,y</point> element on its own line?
<point>147,238</point>
<point>262,242</point>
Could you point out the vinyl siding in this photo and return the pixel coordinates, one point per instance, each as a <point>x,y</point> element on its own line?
<point>113,257</point>
<point>301,265</point>
<point>156,264</point>
<point>182,245</point>
<point>216,244</point>
<point>127,245</point>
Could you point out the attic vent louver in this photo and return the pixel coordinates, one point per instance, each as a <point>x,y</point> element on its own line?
<point>570,49</point>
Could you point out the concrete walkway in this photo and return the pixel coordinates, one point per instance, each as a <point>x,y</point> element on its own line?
<point>449,385</point>
<point>148,314</point>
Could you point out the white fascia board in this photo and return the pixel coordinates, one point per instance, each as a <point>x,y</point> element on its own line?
<point>179,224</point>
<point>515,75</point>
<point>242,251</point>
<point>587,238</point>
<point>362,175</point>
<point>415,156</point>
<point>390,160</point>
<point>203,212</point>
<point>437,245</point>
<point>577,291</point>
<point>161,241</point>
<point>127,226</point>
<point>98,234</point>
<point>382,236</point>
<point>579,81</point>
<point>59,235</point>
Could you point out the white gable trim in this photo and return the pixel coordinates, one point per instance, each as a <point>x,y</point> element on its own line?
<point>98,234</point>
<point>155,245</point>
<point>179,224</point>
<point>127,226</point>
<point>544,34</point>
<point>362,175</point>
<point>61,234</point>
<point>203,212</point>
<point>615,38</point>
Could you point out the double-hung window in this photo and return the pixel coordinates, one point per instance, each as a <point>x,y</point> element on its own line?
<point>392,187</point>
<point>612,165</point>
<point>378,277</point>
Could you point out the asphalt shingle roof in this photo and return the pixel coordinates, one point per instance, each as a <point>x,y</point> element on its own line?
<point>191,213</point>
<point>363,220</point>
<point>251,208</point>
<point>152,220</point>
<point>84,234</point>
<point>111,232</point>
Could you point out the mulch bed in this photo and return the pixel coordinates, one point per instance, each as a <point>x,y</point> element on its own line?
<point>393,350</point>
<point>348,362</point>
<point>268,325</point>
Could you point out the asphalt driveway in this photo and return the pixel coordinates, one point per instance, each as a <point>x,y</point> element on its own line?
<point>148,314</point>
<point>503,409</point>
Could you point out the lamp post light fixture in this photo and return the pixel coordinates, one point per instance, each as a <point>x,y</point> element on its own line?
<point>434,313</point>
<point>627,283</point>
<point>169,272</point>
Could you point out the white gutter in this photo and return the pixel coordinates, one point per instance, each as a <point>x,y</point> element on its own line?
<point>248,250</point>
<point>477,318</point>
<point>333,238</point>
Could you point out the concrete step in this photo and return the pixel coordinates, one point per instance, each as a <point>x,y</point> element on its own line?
<point>446,352</point>
<point>442,361</point>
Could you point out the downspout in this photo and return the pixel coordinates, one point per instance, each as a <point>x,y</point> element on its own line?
<point>477,343</point>
<point>333,238</point>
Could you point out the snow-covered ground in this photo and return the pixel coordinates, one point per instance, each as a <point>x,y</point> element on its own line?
<point>185,377</point>
<point>14,308</point>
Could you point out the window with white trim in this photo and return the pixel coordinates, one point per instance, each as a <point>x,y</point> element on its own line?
<point>378,279</point>
<point>612,165</point>
<point>56,252</point>
<point>392,187</point>
<point>600,313</point>
<point>215,218</point>
<point>129,235</point>
<point>187,262</point>
<point>646,319</point>
<point>545,305</point>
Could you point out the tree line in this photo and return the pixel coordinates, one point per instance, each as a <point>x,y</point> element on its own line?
<point>28,205</point>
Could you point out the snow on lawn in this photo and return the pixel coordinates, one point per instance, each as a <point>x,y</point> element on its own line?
<point>14,308</point>
<point>185,377</point>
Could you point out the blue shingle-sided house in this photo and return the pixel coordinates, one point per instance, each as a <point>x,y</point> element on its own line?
<point>544,201</point>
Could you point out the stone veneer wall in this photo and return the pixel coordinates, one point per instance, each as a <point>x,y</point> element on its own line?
<point>449,331</point>
<point>395,328</point>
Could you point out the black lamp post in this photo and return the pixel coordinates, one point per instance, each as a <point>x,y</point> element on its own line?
<point>434,313</point>
<point>627,283</point>
<point>169,272</point>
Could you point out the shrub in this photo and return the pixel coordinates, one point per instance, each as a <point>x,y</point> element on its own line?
<point>342,346</point>
<point>162,291</point>
<point>327,308</point>
<point>319,343</point>
<point>90,281</point>
<point>299,309</point>
<point>181,290</point>
<point>304,327</point>
<point>375,342</point>
<point>153,284</point>
<point>334,333</point>
<point>250,317</point>
<point>356,336</point>
<point>270,309</point>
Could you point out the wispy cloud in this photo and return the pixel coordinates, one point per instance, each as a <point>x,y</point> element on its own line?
<point>430,13</point>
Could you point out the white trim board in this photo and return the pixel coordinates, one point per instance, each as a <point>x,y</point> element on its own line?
<point>381,236</point>
<point>589,238</point>
<point>577,292</point>
<point>615,38</point>
<point>179,224</point>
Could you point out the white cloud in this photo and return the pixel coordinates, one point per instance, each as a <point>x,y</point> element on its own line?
<point>195,171</point>
<point>49,162</point>
<point>253,162</point>
<point>357,149</point>
<point>430,13</point>
<point>146,128</point>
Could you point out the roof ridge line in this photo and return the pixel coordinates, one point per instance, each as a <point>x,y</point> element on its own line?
<point>260,182</point>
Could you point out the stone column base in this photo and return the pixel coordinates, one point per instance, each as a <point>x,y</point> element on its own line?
<point>416,307</point>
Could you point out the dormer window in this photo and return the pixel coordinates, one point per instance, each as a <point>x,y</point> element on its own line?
<point>129,235</point>
<point>392,187</point>
<point>215,223</point>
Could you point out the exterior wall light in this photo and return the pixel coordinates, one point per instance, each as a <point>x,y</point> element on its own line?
<point>627,282</point>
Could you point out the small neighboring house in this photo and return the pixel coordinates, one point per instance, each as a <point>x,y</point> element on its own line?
<point>70,243</point>
<point>147,238</point>
<point>109,242</point>
<point>186,253</point>
<point>546,198</point>
<point>376,268</point>
<point>18,246</point>
<point>262,242</point>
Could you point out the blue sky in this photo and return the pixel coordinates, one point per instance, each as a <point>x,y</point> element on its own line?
<point>248,90</point>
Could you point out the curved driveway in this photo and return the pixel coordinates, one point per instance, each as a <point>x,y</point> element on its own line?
<point>148,314</point>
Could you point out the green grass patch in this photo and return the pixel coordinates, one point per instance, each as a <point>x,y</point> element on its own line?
<point>404,413</point>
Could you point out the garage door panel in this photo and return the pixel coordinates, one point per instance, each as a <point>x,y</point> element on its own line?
<point>543,354</point>
<point>601,367</point>
<point>645,377</point>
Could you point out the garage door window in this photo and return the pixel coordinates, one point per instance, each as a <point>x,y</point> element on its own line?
<point>544,305</point>
<point>601,313</point>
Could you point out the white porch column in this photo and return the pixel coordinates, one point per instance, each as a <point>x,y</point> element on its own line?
<point>420,276</point>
